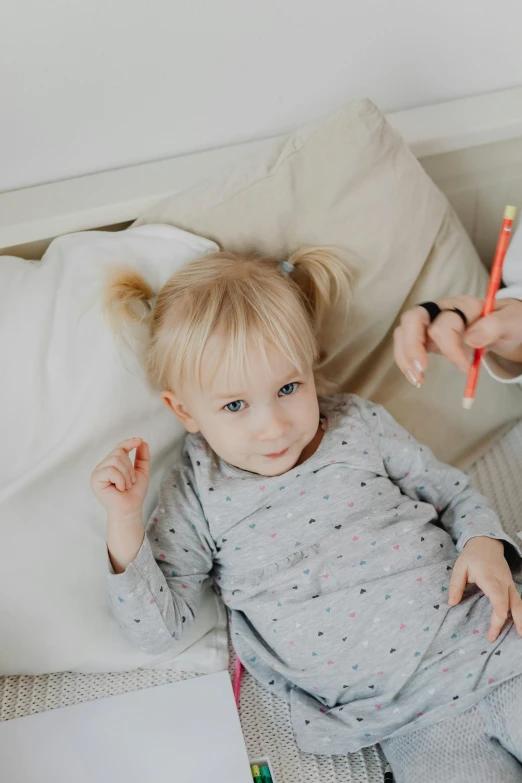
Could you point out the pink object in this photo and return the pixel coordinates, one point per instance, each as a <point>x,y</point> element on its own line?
<point>236,683</point>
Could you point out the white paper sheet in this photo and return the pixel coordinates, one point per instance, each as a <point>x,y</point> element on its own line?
<point>186,732</point>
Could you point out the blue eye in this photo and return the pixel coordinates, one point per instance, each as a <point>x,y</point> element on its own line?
<point>235,406</point>
<point>288,388</point>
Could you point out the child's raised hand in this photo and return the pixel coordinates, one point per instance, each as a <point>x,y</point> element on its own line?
<point>119,485</point>
<point>482,562</point>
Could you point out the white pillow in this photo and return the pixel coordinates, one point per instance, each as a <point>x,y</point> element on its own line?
<point>69,393</point>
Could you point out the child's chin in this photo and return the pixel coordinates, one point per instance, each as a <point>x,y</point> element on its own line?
<point>276,467</point>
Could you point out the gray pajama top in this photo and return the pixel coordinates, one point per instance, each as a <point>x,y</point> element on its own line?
<point>335,575</point>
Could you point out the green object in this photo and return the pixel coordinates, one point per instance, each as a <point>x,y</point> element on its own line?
<point>256,774</point>
<point>266,777</point>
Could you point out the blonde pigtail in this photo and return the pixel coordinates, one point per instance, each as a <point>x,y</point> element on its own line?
<point>324,281</point>
<point>128,300</point>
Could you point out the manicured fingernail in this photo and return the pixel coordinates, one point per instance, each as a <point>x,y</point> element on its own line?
<point>417,365</point>
<point>134,479</point>
<point>413,379</point>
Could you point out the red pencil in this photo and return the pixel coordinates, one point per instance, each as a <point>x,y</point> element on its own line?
<point>495,280</point>
<point>236,685</point>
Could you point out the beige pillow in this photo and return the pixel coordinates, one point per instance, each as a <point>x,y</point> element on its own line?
<point>352,182</point>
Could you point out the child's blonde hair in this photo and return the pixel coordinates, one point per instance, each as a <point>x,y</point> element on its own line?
<point>246,299</point>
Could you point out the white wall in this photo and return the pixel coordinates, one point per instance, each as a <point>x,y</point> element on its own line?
<point>88,85</point>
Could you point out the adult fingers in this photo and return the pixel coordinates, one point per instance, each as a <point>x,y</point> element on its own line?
<point>414,376</point>
<point>410,339</point>
<point>499,326</point>
<point>447,332</point>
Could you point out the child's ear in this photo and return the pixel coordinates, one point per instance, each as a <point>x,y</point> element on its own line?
<point>179,410</point>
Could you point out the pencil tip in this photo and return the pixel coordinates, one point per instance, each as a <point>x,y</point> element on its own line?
<point>467,402</point>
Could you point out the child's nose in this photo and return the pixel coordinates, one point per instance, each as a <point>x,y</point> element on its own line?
<point>271,427</point>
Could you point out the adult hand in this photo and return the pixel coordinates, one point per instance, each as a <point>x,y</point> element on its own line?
<point>415,337</point>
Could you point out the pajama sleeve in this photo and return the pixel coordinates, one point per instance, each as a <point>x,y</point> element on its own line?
<point>462,511</point>
<point>157,597</point>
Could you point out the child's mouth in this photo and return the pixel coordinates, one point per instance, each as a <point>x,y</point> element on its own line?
<point>277,455</point>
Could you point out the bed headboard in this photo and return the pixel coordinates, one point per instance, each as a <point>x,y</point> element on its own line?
<point>472,149</point>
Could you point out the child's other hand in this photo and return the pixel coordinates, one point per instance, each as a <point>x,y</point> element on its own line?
<point>119,485</point>
<point>482,562</point>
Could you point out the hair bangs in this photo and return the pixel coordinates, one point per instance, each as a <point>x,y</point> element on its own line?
<point>230,322</point>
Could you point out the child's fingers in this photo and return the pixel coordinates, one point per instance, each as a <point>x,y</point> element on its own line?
<point>459,580</point>
<point>496,625</point>
<point>498,595</point>
<point>127,445</point>
<point>515,604</point>
<point>110,475</point>
<point>123,465</point>
<point>142,458</point>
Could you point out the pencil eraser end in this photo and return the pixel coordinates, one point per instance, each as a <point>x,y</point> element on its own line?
<point>467,402</point>
<point>509,213</point>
